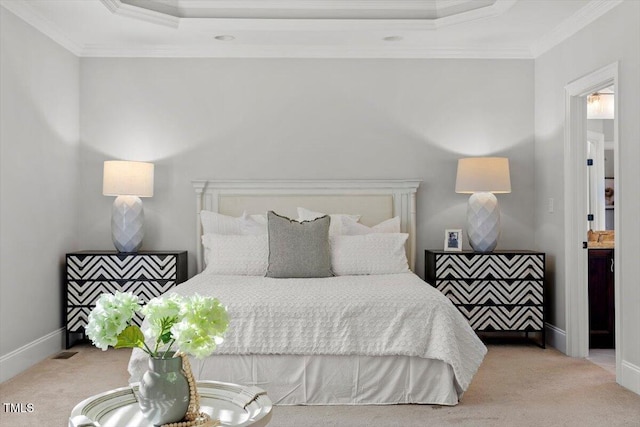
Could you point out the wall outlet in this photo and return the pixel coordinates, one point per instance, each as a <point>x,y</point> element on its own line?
<point>550,207</point>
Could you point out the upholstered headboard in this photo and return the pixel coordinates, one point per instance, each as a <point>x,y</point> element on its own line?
<point>375,200</point>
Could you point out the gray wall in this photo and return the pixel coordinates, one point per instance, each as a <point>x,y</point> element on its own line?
<point>304,119</point>
<point>38,174</point>
<point>613,37</point>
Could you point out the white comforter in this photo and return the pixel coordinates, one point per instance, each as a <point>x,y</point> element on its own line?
<point>395,314</point>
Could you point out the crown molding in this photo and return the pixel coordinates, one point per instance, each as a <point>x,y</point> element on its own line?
<point>310,4</point>
<point>318,4</point>
<point>496,9</point>
<point>573,24</point>
<point>23,10</point>
<point>570,26</point>
<point>26,12</point>
<point>278,24</point>
<point>119,8</point>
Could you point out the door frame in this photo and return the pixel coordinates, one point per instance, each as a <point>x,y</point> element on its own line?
<point>575,203</point>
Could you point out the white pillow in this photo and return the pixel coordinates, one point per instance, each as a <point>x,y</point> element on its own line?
<point>240,255</point>
<point>335,228</point>
<point>249,225</point>
<point>259,218</point>
<point>215,223</point>
<point>352,227</point>
<point>374,253</point>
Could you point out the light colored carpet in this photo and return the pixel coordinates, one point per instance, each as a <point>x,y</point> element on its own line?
<point>515,386</point>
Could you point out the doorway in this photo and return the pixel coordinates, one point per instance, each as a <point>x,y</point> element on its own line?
<point>601,227</point>
<point>576,187</point>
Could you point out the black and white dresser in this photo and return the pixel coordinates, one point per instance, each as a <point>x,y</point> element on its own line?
<point>89,274</point>
<point>497,291</point>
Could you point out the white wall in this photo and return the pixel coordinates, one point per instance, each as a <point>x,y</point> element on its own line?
<point>613,37</point>
<point>39,118</point>
<point>304,119</point>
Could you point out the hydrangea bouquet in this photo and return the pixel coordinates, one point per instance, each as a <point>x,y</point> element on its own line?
<point>194,324</point>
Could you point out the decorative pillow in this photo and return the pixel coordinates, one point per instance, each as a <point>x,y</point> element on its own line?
<point>241,255</point>
<point>352,227</point>
<point>336,219</point>
<point>374,253</point>
<point>298,249</point>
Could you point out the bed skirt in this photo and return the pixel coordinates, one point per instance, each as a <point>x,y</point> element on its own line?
<point>336,380</point>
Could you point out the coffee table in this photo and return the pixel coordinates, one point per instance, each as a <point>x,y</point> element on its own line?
<point>232,404</point>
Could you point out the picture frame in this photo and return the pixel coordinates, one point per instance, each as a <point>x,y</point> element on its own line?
<point>453,240</point>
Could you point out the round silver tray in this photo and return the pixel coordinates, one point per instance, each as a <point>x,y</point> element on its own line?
<point>232,404</point>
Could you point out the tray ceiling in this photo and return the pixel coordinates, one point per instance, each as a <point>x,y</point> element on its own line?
<point>320,9</point>
<point>310,28</point>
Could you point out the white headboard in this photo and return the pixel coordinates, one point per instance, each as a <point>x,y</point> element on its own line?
<point>375,200</point>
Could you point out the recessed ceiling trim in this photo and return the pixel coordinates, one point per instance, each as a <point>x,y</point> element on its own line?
<point>307,4</point>
<point>230,24</point>
<point>393,25</point>
<point>35,17</point>
<point>496,9</point>
<point>393,51</point>
<point>147,15</point>
<point>134,9</point>
<point>586,15</point>
<point>23,10</point>
<point>440,5</point>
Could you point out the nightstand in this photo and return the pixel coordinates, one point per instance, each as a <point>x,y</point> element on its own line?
<point>89,274</point>
<point>496,291</point>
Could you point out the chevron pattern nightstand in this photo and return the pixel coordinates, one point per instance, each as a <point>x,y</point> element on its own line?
<point>89,274</point>
<point>497,291</point>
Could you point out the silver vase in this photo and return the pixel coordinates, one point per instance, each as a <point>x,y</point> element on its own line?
<point>163,394</point>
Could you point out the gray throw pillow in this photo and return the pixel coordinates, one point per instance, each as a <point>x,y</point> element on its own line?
<point>298,249</point>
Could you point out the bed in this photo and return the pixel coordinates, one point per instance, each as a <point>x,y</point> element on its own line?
<point>374,334</point>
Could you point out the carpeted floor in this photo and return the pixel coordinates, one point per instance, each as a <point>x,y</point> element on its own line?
<point>515,386</point>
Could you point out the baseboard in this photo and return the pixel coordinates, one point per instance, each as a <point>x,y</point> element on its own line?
<point>630,376</point>
<point>556,337</point>
<point>11,364</point>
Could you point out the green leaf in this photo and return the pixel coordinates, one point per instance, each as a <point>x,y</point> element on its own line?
<point>166,337</point>
<point>131,337</point>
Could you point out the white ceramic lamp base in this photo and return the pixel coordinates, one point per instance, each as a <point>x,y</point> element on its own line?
<point>483,222</point>
<point>127,221</point>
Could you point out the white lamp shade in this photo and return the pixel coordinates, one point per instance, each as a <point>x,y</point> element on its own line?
<point>125,178</point>
<point>483,174</point>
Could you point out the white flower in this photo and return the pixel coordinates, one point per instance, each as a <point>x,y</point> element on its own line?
<point>161,313</point>
<point>195,324</point>
<point>206,313</point>
<point>110,317</point>
<point>204,320</point>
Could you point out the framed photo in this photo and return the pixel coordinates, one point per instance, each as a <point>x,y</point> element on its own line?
<point>453,240</point>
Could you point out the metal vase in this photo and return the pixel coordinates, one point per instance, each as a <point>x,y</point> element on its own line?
<point>163,394</point>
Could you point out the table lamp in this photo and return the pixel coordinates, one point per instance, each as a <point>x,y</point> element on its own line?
<point>128,181</point>
<point>482,177</point>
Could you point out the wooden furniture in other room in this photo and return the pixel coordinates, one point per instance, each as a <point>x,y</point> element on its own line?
<point>601,298</point>
<point>89,274</point>
<point>495,291</point>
